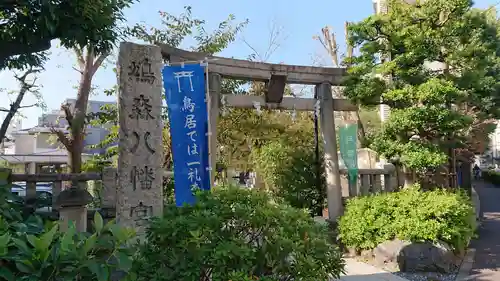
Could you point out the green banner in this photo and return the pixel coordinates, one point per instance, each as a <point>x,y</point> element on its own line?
<point>349,150</point>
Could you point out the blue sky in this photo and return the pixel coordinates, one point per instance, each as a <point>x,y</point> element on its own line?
<point>298,20</point>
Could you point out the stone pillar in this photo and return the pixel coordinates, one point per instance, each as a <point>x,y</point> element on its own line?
<point>213,115</point>
<point>109,192</point>
<point>76,215</point>
<point>72,204</point>
<point>332,173</point>
<point>109,188</point>
<point>140,171</point>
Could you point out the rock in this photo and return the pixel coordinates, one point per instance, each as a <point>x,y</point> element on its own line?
<point>415,257</point>
<point>388,251</point>
<point>428,257</point>
<point>366,254</point>
<point>321,220</point>
<point>351,253</point>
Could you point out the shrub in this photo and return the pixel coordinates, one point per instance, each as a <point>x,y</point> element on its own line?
<point>410,214</point>
<point>491,176</point>
<point>30,250</point>
<point>290,173</point>
<point>237,234</point>
<point>168,190</point>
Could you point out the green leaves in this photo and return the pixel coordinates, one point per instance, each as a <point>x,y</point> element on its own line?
<point>436,65</point>
<point>290,173</point>
<point>4,243</point>
<point>51,254</point>
<point>6,274</point>
<point>86,23</point>
<point>237,234</point>
<point>410,214</point>
<point>98,222</point>
<point>100,271</point>
<point>173,31</point>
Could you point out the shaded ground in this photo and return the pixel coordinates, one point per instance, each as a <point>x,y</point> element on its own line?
<point>487,261</point>
<point>359,271</point>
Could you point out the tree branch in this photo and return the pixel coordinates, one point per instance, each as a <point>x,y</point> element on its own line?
<point>14,107</point>
<point>77,70</point>
<point>62,137</point>
<point>22,78</point>
<point>27,106</point>
<point>79,58</point>
<point>68,115</point>
<point>98,62</point>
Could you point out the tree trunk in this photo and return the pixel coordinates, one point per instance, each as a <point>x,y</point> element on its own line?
<point>14,107</point>
<point>361,131</point>
<point>80,112</point>
<point>409,179</point>
<point>12,111</point>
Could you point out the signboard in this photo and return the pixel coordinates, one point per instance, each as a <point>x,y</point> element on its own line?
<point>187,112</point>
<point>348,150</point>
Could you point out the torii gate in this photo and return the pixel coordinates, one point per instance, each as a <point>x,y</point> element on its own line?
<point>277,76</point>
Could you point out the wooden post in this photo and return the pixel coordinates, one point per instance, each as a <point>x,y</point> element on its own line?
<point>466,171</point>
<point>214,83</point>
<point>332,172</point>
<point>31,186</point>
<point>56,189</point>
<point>140,159</point>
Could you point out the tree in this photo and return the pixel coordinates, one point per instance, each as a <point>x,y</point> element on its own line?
<point>174,31</point>
<point>242,130</point>
<point>29,26</point>
<point>436,65</point>
<point>76,115</point>
<point>330,45</point>
<point>27,84</point>
<point>90,56</point>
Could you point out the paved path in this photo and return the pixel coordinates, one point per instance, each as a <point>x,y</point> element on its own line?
<point>358,271</point>
<point>486,266</point>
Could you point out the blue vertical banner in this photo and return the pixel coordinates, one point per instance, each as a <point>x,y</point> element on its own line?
<point>188,116</point>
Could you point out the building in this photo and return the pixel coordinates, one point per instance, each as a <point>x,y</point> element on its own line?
<point>491,156</point>
<point>380,6</point>
<point>7,144</point>
<point>36,150</point>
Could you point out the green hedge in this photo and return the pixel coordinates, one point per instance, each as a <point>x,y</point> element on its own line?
<point>237,234</point>
<point>410,214</point>
<point>290,173</point>
<point>491,176</point>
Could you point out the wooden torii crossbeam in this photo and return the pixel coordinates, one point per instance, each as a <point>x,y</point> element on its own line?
<point>265,72</point>
<point>276,76</point>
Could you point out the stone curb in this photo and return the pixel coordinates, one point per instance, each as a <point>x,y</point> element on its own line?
<point>466,266</point>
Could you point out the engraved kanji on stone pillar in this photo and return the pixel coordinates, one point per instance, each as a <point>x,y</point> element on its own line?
<point>140,172</point>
